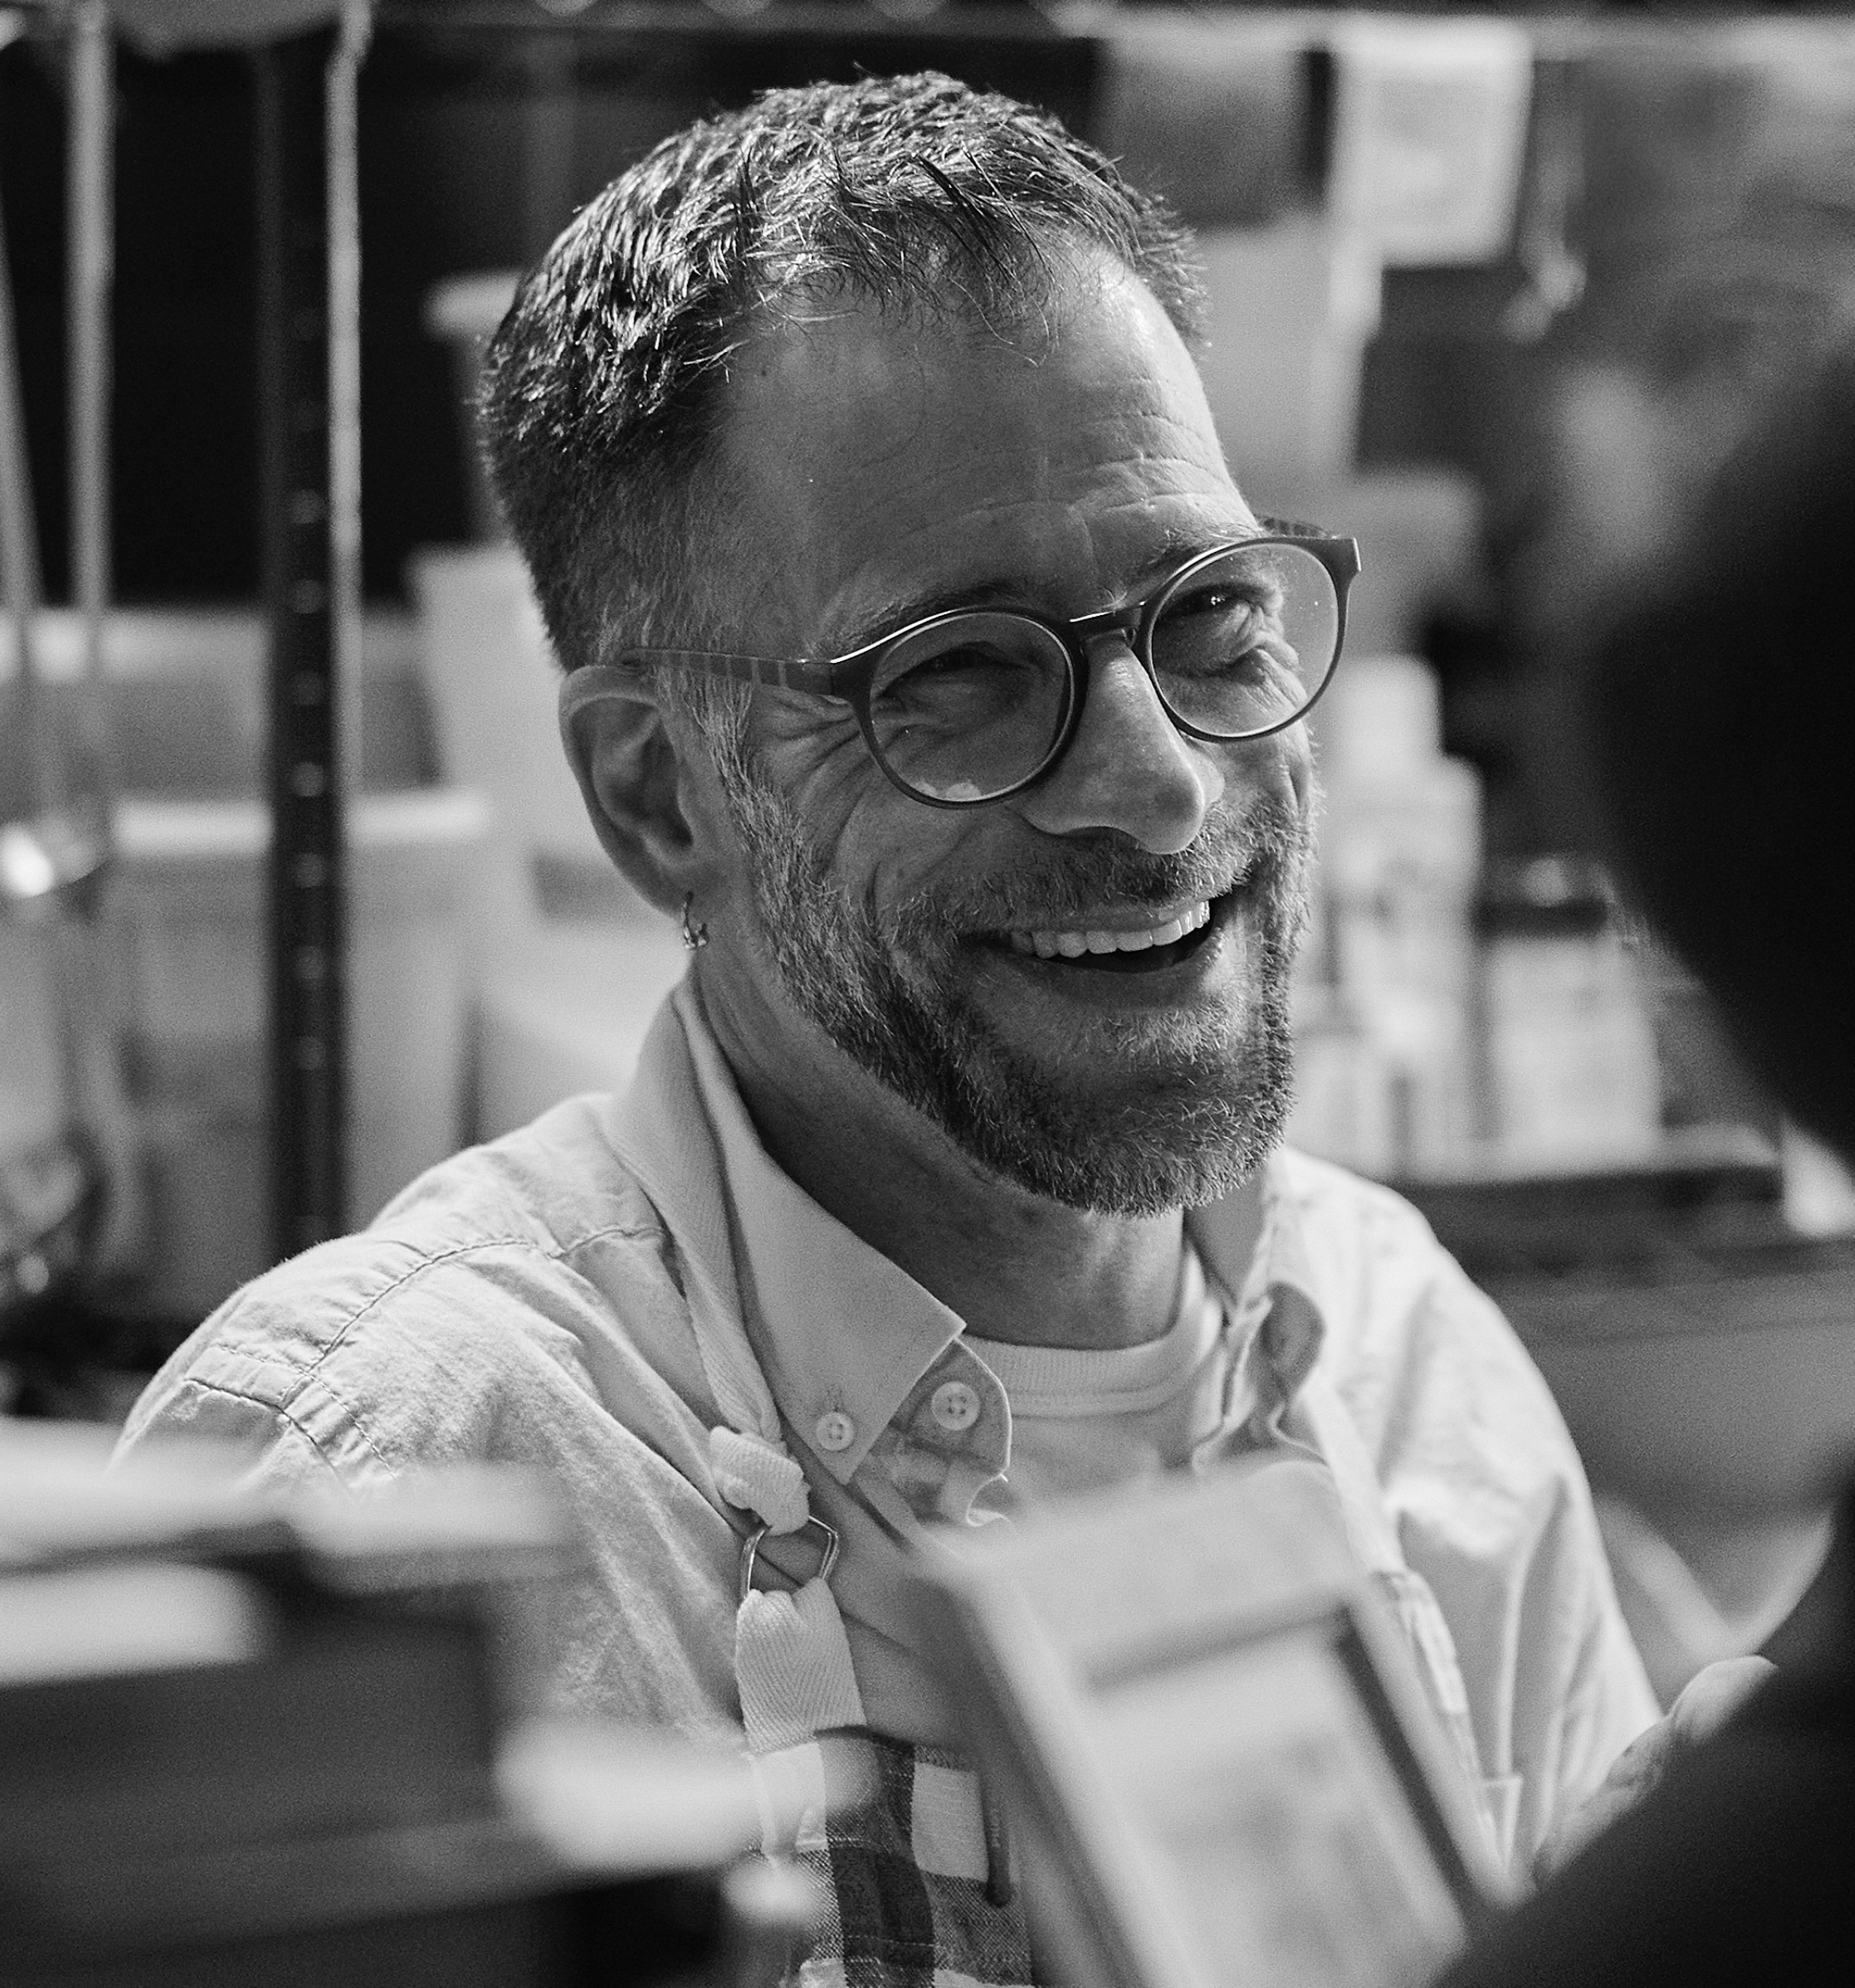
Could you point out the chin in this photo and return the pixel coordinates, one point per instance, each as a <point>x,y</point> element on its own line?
<point>1157,1113</point>
<point>1133,1165</point>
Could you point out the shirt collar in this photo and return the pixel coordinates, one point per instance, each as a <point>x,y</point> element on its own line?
<point>840,1330</point>
<point>1256,1249</point>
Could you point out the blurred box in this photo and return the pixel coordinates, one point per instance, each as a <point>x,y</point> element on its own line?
<point>1291,307</point>
<point>191,898</point>
<point>184,698</point>
<point>570,963</point>
<point>249,1741</point>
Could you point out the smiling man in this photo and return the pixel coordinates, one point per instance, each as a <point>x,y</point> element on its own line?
<point>924,658</point>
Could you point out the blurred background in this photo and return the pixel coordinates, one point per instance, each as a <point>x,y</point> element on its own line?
<point>1452,258</point>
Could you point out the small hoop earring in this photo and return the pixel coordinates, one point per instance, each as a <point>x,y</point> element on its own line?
<point>696,936</point>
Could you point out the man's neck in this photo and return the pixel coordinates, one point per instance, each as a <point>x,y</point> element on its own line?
<point>1014,1266</point>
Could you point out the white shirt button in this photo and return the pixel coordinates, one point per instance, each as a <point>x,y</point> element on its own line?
<point>835,1431</point>
<point>955,1406</point>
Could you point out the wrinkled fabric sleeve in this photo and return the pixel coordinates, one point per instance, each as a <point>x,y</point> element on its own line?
<point>1494,1510</point>
<point>368,1358</point>
<point>278,1452</point>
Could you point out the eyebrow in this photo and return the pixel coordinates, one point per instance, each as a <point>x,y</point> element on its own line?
<point>1178,544</point>
<point>899,610</point>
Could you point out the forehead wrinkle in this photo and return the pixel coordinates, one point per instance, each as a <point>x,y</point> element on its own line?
<point>1112,491</point>
<point>852,626</point>
<point>844,631</point>
<point>1172,440</point>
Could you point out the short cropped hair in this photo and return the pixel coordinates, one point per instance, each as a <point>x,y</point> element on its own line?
<point>602,386</point>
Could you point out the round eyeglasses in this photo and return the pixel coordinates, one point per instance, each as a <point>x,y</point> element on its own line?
<point>974,704</point>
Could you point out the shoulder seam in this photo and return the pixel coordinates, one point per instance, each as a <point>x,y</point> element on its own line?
<point>281,1411</point>
<point>347,1407</point>
<point>431,1261</point>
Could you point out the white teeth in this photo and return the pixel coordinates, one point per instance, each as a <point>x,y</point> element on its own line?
<point>1073,945</point>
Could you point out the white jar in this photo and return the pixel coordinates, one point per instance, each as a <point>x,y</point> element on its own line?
<point>1569,1043</point>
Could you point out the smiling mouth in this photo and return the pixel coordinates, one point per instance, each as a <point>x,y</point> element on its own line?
<point>1145,949</point>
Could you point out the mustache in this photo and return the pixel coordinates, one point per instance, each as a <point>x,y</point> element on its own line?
<point>1267,847</point>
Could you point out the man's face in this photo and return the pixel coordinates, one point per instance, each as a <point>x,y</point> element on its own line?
<point>988,964</point>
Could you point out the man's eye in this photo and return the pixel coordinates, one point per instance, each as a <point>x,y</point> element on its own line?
<point>950,671</point>
<point>1224,600</point>
<point>950,662</point>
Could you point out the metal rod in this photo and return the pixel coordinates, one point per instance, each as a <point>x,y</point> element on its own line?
<point>90,275</point>
<point>31,771</point>
<point>342,87</point>
<point>307,948</point>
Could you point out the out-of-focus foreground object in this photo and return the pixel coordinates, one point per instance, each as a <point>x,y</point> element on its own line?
<point>245,1740</point>
<point>1219,1765</point>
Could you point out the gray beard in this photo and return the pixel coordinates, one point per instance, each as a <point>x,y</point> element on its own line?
<point>1198,1106</point>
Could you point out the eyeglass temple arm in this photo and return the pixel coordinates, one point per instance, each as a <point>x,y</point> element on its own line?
<point>780,672</point>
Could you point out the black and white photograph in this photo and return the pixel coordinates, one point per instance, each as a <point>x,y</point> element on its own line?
<point>924,1048</point>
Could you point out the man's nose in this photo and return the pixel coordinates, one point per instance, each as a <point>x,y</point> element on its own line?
<point>1129,766</point>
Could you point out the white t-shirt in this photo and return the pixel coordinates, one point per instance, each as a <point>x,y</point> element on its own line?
<point>1083,1421</point>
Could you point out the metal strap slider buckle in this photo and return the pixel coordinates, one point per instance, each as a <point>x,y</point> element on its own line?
<point>750,1550</point>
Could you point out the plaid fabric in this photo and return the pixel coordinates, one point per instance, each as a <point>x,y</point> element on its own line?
<point>895,1837</point>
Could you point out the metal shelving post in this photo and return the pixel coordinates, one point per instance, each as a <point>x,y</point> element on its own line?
<point>308,300</point>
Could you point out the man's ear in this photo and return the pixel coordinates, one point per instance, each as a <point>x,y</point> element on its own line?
<point>631,779</point>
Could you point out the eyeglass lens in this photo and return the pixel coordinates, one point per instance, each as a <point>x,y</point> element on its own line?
<point>972,704</point>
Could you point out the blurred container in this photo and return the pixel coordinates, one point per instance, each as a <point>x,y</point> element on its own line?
<point>1430,135</point>
<point>463,313</point>
<point>1420,529</point>
<point>494,690</point>
<point>1385,1047</point>
<point>1342,1083</point>
<point>1291,307</point>
<point>185,698</point>
<point>191,880</point>
<point>32,1088</point>
<point>1572,1074</point>
<point>1705,1082</point>
<point>570,963</point>
<point>1819,1194</point>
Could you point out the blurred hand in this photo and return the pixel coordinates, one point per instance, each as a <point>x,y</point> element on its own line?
<point>1710,1698</point>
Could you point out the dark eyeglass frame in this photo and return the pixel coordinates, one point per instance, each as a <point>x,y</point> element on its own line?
<point>845,679</point>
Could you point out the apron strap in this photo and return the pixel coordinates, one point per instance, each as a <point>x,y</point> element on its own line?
<point>791,1657</point>
<point>1332,1434</point>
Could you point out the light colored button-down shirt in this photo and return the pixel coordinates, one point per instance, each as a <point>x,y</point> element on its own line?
<point>596,1293</point>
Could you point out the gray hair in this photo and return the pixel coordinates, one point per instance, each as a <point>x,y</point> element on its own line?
<point>601,399</point>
